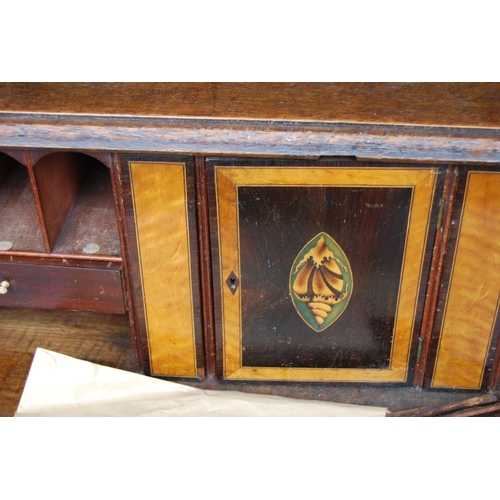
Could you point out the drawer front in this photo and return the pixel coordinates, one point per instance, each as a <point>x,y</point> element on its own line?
<point>318,270</point>
<point>60,287</point>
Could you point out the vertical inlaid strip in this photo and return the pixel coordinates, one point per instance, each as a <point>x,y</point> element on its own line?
<point>160,206</point>
<point>472,305</point>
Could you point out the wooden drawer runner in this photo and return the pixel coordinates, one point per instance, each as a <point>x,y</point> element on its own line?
<point>61,287</point>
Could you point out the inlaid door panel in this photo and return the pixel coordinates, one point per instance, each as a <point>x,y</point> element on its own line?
<point>318,269</point>
<point>161,219</point>
<point>467,330</point>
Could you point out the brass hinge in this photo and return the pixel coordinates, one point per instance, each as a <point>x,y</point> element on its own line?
<point>419,349</point>
<point>442,205</point>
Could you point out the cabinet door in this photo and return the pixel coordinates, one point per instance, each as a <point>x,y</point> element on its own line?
<point>467,328</point>
<point>318,268</point>
<point>160,204</point>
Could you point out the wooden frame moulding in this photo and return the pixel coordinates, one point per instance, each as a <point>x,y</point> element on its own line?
<point>244,137</point>
<point>437,264</point>
<point>207,296</point>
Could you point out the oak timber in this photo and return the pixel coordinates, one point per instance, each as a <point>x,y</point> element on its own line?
<point>443,104</point>
<point>99,338</point>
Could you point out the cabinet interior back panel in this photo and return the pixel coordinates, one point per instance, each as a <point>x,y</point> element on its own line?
<point>19,223</point>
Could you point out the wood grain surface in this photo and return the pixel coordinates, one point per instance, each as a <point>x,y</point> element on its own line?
<point>228,179</point>
<point>442,122</point>
<point>160,205</point>
<point>206,276</point>
<point>58,177</point>
<point>492,410</point>
<point>40,285</point>
<point>20,228</point>
<point>99,338</point>
<point>106,340</point>
<point>449,104</point>
<point>437,267</point>
<point>260,138</point>
<point>472,305</point>
<point>370,226</point>
<point>91,226</point>
<point>467,404</point>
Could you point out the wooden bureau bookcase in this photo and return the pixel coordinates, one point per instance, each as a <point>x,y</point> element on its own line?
<point>286,242</point>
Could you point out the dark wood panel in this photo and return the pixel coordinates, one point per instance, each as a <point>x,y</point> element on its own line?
<point>450,104</point>
<point>16,154</point>
<point>206,288</point>
<point>7,164</point>
<point>369,224</point>
<point>62,287</point>
<point>116,184</point>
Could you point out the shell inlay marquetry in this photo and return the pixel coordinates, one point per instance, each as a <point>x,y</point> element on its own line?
<point>320,282</point>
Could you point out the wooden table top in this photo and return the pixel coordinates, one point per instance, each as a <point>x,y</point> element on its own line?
<point>442,104</point>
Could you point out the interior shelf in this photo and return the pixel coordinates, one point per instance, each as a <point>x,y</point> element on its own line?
<point>76,214</point>
<point>19,228</point>
<point>91,228</point>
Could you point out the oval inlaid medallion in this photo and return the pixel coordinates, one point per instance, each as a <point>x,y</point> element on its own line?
<point>321,282</point>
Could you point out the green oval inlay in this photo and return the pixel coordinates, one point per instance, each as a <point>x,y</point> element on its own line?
<point>320,282</point>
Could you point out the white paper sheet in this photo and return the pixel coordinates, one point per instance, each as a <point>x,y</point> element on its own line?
<point>58,385</point>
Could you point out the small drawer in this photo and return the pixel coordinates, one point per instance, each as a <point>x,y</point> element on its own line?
<point>62,287</point>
